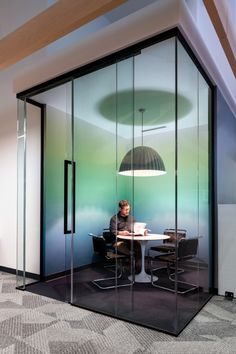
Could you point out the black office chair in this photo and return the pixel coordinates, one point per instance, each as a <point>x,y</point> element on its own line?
<point>170,243</point>
<point>186,250</point>
<point>114,260</point>
<point>109,237</point>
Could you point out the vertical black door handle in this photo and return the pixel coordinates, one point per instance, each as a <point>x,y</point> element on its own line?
<point>68,164</point>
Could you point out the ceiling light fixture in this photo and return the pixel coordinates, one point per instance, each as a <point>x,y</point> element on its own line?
<point>142,161</point>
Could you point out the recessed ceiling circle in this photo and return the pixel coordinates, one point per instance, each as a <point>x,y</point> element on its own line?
<point>160,106</point>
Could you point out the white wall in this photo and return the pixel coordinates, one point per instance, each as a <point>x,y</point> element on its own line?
<point>12,14</point>
<point>208,48</point>
<point>8,173</point>
<point>227,246</point>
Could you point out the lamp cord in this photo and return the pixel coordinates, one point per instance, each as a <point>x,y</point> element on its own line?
<point>142,110</point>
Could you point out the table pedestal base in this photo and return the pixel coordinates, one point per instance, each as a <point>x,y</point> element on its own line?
<point>142,277</point>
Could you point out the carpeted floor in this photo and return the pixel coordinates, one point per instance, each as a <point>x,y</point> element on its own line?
<point>31,323</point>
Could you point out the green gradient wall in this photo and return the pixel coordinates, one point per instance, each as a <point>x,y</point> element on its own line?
<point>98,188</point>
<point>99,146</point>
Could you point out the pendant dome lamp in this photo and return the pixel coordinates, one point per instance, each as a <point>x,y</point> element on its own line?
<point>142,161</point>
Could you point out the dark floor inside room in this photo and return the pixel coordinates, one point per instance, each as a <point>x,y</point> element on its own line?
<point>141,303</point>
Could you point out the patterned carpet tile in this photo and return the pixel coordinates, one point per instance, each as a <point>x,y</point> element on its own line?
<point>35,324</point>
<point>71,347</point>
<point>190,347</point>
<point>20,348</point>
<point>32,301</point>
<point>94,322</point>
<point>6,340</point>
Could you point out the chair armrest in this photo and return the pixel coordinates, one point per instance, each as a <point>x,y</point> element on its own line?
<point>167,254</point>
<point>163,248</point>
<point>94,235</point>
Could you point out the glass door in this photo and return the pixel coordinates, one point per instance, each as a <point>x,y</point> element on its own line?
<point>48,235</point>
<point>58,207</point>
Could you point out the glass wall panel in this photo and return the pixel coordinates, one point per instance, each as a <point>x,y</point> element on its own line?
<point>192,187</point>
<point>152,125</point>
<point>95,158</point>
<point>125,187</point>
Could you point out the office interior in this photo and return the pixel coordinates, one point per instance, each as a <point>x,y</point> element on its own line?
<point>159,97</point>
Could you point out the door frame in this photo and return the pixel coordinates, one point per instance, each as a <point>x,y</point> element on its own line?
<point>42,125</point>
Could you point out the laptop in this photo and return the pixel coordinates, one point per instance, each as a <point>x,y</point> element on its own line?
<point>139,228</point>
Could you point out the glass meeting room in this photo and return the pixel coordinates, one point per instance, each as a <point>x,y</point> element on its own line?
<point>126,210</point>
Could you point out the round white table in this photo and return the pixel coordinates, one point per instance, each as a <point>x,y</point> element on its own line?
<point>143,277</point>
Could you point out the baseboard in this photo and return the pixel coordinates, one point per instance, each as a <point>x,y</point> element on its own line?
<point>20,273</point>
<point>56,275</point>
<point>44,278</point>
<point>7,270</point>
